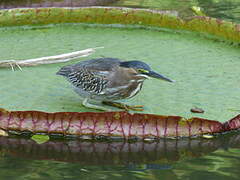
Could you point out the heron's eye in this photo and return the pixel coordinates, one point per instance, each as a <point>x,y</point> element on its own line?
<point>143,71</point>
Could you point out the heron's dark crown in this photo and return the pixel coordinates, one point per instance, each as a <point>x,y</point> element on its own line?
<point>135,65</point>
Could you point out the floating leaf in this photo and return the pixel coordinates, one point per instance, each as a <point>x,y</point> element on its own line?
<point>3,133</point>
<point>40,139</point>
<point>37,88</point>
<point>197,10</point>
<point>208,136</point>
<point>126,125</point>
<point>174,53</point>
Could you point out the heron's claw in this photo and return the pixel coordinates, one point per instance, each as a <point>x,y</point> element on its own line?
<point>124,106</point>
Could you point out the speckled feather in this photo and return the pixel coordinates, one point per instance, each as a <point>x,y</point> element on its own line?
<point>87,80</point>
<point>90,75</point>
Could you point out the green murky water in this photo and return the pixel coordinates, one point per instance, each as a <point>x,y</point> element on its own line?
<point>216,159</point>
<point>205,70</point>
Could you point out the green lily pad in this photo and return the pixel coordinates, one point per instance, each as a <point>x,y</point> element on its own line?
<point>205,69</point>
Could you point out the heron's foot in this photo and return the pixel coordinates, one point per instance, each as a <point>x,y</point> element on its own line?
<point>85,103</point>
<point>124,106</point>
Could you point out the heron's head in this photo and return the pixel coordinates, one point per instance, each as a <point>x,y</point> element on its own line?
<point>144,70</point>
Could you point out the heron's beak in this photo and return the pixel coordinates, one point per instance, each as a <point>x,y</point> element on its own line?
<point>159,76</point>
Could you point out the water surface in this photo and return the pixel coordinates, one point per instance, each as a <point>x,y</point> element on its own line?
<point>216,158</point>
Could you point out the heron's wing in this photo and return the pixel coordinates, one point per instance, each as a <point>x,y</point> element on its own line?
<point>91,75</point>
<point>94,65</point>
<point>101,64</point>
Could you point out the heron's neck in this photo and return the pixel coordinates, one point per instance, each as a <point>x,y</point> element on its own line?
<point>136,86</point>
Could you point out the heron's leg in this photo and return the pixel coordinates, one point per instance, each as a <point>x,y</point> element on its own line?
<point>85,103</point>
<point>124,106</point>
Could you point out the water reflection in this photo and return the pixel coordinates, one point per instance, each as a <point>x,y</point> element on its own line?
<point>216,158</point>
<point>117,153</point>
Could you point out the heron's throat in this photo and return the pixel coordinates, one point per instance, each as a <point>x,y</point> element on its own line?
<point>136,83</point>
<point>142,76</point>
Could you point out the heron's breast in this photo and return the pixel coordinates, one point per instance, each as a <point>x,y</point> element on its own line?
<point>122,84</point>
<point>134,89</point>
<point>124,91</point>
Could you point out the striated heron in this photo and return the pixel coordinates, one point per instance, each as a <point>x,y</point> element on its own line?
<point>107,80</point>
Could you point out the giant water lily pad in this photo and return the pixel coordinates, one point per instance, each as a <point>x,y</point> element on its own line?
<point>205,68</point>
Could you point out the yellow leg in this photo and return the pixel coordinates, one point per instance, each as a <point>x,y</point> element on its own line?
<point>124,106</point>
